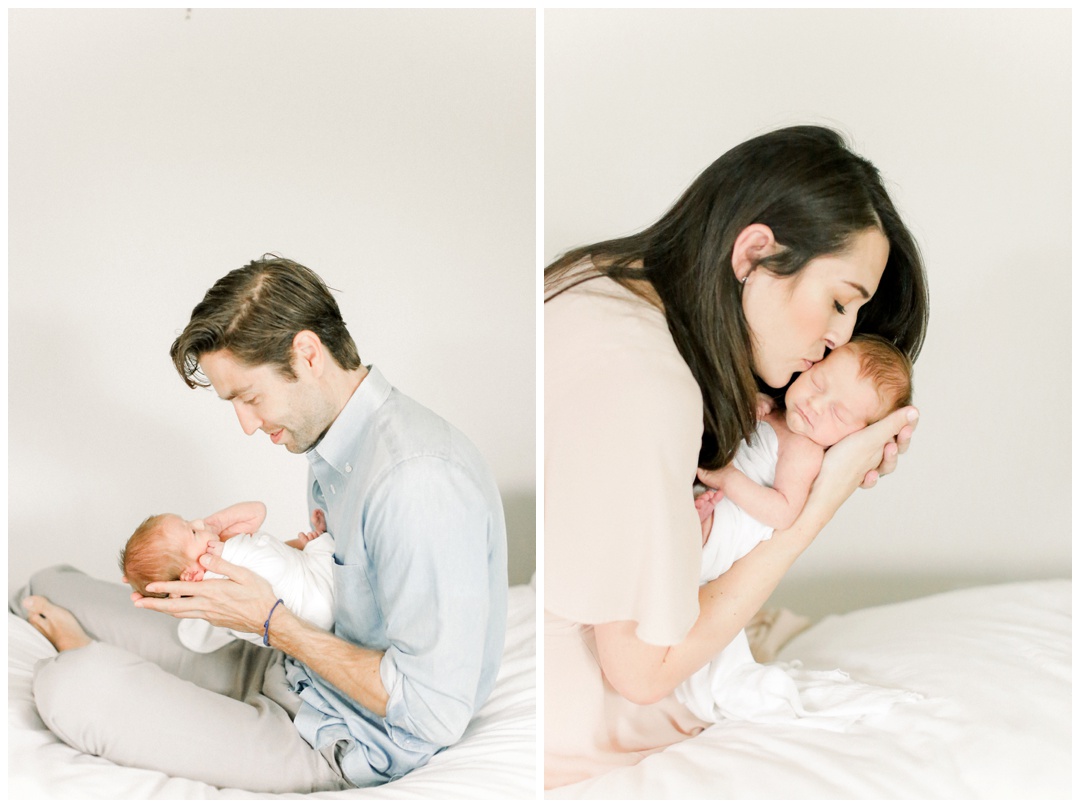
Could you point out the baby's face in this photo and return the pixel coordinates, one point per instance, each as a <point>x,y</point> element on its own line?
<point>191,538</point>
<point>829,401</point>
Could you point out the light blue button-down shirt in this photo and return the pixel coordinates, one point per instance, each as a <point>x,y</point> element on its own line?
<point>420,573</point>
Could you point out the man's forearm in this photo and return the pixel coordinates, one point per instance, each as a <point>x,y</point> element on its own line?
<point>351,669</point>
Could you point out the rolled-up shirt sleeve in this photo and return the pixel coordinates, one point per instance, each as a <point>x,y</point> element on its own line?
<point>427,526</point>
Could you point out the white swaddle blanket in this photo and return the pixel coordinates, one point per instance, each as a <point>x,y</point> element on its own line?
<point>733,685</point>
<point>734,532</point>
<point>303,579</point>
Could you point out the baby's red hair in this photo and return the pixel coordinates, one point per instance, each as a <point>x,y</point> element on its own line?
<point>148,557</point>
<point>887,367</point>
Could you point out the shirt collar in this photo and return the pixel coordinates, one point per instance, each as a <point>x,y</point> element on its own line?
<point>339,443</point>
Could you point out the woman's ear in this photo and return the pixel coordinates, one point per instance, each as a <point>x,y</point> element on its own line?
<point>756,241</point>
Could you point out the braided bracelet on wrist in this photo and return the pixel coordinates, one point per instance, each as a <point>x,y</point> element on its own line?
<point>266,625</point>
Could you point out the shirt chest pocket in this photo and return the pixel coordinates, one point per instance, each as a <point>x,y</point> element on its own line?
<point>357,614</point>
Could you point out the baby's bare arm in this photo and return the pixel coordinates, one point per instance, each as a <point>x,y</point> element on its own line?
<point>768,505</point>
<point>797,467</point>
<point>244,517</point>
<point>798,463</point>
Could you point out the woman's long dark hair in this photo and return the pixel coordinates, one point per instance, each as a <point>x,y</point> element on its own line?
<point>815,194</point>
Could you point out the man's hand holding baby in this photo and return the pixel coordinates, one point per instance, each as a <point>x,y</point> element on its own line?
<point>241,601</point>
<point>214,547</point>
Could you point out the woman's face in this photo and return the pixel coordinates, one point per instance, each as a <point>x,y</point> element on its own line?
<point>794,319</point>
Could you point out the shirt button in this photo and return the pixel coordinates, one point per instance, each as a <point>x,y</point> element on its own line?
<point>348,468</point>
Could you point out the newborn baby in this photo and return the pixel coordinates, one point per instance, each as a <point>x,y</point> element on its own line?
<point>764,489</point>
<point>301,571</point>
<point>768,482</point>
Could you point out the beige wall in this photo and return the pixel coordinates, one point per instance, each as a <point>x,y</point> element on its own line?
<point>967,114</point>
<point>393,152</point>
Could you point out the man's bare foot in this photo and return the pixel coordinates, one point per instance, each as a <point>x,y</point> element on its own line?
<point>57,624</point>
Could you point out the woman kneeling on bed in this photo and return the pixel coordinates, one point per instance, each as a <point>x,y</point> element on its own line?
<point>654,347</point>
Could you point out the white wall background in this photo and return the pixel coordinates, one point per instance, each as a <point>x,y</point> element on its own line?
<point>150,153</point>
<point>967,114</point>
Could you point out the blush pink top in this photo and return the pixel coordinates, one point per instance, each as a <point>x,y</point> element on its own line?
<point>622,539</point>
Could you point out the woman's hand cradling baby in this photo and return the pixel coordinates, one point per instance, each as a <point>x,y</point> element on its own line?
<point>860,458</point>
<point>893,449</point>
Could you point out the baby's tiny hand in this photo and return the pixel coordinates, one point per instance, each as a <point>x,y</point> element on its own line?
<point>713,478</point>
<point>215,547</point>
<point>765,405</point>
<point>301,540</point>
<point>318,521</point>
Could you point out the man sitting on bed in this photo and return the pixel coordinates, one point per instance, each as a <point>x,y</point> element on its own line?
<point>420,577</point>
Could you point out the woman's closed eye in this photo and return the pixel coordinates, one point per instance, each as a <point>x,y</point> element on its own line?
<point>839,307</point>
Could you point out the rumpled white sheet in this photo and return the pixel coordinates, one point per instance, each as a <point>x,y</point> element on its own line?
<point>734,687</point>
<point>994,666</point>
<point>495,759</point>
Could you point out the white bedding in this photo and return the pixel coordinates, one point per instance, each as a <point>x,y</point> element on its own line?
<point>496,757</point>
<point>993,664</point>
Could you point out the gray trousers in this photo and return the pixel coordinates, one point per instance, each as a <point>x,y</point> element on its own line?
<point>138,697</point>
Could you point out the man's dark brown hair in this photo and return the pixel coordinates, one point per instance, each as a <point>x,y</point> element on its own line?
<point>254,312</point>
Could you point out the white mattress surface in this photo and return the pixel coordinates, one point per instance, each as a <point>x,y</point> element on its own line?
<point>993,665</point>
<point>495,758</point>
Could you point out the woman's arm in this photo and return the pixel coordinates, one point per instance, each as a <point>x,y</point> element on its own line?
<point>645,673</point>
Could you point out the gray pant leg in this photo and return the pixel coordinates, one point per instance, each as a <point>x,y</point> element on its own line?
<point>107,701</point>
<point>106,613</point>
